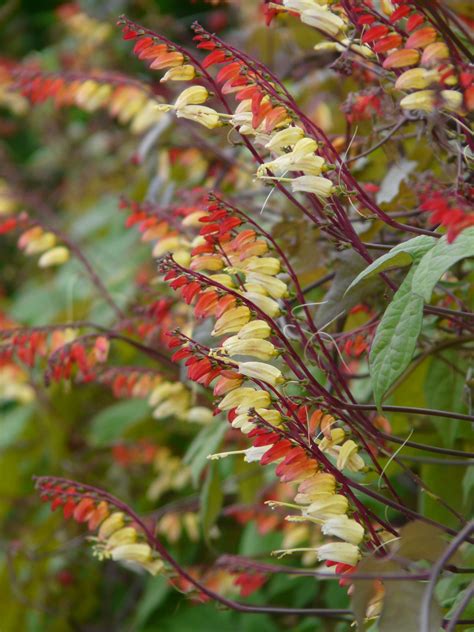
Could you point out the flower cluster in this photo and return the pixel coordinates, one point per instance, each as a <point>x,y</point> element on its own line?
<point>130,102</point>
<point>118,538</point>
<point>234,275</point>
<point>406,43</point>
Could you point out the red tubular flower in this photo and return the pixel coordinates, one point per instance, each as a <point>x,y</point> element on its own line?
<point>206,304</point>
<point>394,40</point>
<point>277,451</point>
<point>400,13</point>
<point>413,21</point>
<point>249,583</point>
<point>421,38</point>
<point>374,33</point>
<point>366,20</point>
<point>216,57</point>
<point>7,225</point>
<point>142,43</point>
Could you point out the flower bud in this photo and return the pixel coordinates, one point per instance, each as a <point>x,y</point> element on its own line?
<point>231,321</point>
<point>422,100</point>
<point>322,187</point>
<point>261,371</point>
<point>179,73</point>
<point>126,535</point>
<point>341,552</point>
<point>262,265</point>
<point>344,528</point>
<point>267,305</point>
<point>416,79</point>
<point>54,257</point>
<point>285,138</point>
<point>349,458</point>
<point>402,58</point>
<point>114,522</point>
<point>265,284</point>
<point>324,20</point>
<point>434,54</point>
<point>136,552</point>
<point>200,114</point>
<point>327,506</point>
<point>40,244</point>
<point>245,397</point>
<point>255,329</point>
<point>195,95</point>
<point>421,38</point>
<point>257,347</point>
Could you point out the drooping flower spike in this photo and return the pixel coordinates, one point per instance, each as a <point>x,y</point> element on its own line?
<point>118,536</point>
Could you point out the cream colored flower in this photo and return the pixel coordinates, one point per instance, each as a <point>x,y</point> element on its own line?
<point>341,552</point>
<point>261,371</point>
<point>344,528</point>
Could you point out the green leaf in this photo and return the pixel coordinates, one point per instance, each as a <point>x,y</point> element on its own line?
<point>204,443</point>
<point>395,339</point>
<point>336,300</point>
<point>403,254</point>
<point>111,423</point>
<point>393,179</point>
<point>12,424</point>
<point>468,612</point>
<point>439,259</point>
<point>156,590</point>
<point>444,390</point>
<point>211,498</point>
<point>401,608</point>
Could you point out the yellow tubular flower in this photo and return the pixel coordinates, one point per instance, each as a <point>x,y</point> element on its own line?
<point>284,138</point>
<point>135,552</point>
<point>276,288</point>
<point>322,187</point>
<point>114,522</point>
<point>126,535</point>
<point>416,79</point>
<point>245,397</point>
<point>195,95</point>
<point>311,488</point>
<point>200,114</point>
<point>335,437</point>
<point>263,265</point>
<point>257,347</point>
<point>54,257</point>
<point>193,219</point>
<point>349,458</point>
<point>255,329</point>
<point>168,245</point>
<point>261,371</point>
<point>182,257</point>
<point>267,305</point>
<point>179,73</point>
<point>344,528</point>
<point>231,321</point>
<point>347,451</point>
<point>342,552</point>
<point>42,243</point>
<point>325,507</point>
<point>323,20</point>
<point>423,100</point>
